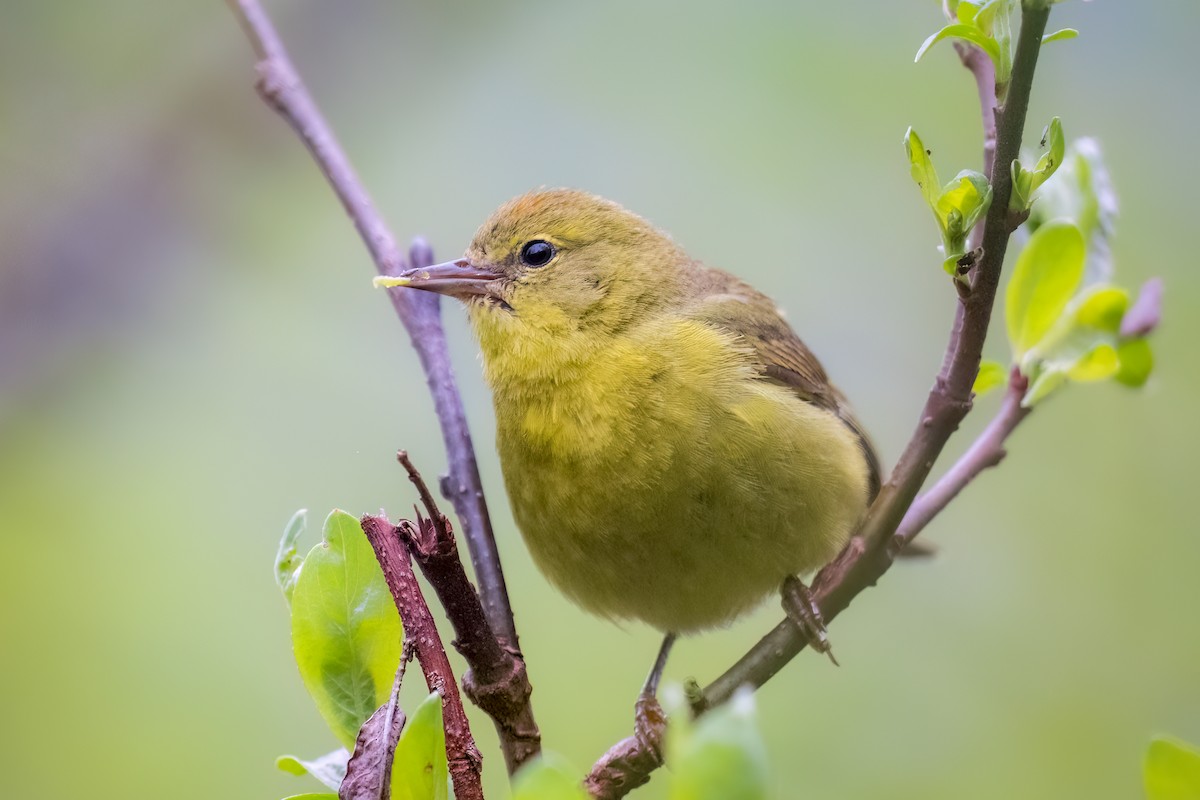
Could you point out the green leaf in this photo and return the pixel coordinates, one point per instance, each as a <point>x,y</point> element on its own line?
<point>1137,362</point>
<point>963,12</point>
<point>922,167</point>
<point>996,19</point>
<point>311,796</point>
<point>287,560</point>
<point>1042,386</point>
<point>329,769</point>
<point>1101,307</point>
<point>1097,364</point>
<point>1060,35</point>
<point>1026,182</point>
<point>968,33</point>
<point>345,629</point>
<point>1081,190</point>
<point>548,777</point>
<point>991,374</point>
<point>419,768</point>
<point>1046,275</point>
<point>1172,771</point>
<point>1081,345</point>
<point>721,758</point>
<point>959,205</point>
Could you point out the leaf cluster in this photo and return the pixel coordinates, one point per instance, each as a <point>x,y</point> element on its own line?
<point>346,638</point>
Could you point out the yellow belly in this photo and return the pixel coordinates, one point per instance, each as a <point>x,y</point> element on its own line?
<point>654,485</point>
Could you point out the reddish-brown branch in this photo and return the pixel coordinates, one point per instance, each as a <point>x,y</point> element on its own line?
<point>496,681</point>
<point>280,86</point>
<point>419,628</point>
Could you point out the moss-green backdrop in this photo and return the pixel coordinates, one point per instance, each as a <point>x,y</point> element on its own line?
<point>190,349</point>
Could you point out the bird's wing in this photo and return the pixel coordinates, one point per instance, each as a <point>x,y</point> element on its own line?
<point>781,357</point>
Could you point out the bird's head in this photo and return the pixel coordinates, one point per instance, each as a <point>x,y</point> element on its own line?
<point>557,262</point>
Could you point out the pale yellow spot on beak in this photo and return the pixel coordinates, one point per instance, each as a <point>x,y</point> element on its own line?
<point>384,281</point>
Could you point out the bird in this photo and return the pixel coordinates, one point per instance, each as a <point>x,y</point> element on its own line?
<point>672,451</point>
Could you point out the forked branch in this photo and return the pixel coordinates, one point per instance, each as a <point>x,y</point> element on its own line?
<point>870,553</point>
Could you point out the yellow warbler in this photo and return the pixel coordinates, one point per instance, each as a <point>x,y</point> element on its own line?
<point>671,449</point>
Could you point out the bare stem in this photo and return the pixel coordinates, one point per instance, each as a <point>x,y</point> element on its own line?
<point>986,451</point>
<point>280,86</point>
<point>984,72</point>
<point>461,753</point>
<point>496,680</point>
<point>868,556</point>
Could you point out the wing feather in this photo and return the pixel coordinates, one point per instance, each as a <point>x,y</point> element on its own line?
<point>781,356</point>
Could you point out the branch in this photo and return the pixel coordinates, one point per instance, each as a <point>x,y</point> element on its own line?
<point>496,680</point>
<point>985,452</point>
<point>628,764</point>
<point>393,556</point>
<point>280,86</point>
<point>868,555</point>
<point>984,71</point>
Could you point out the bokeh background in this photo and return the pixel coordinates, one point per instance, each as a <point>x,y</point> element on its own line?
<point>190,350</point>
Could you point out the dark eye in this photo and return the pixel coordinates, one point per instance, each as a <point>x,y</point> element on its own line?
<point>537,253</point>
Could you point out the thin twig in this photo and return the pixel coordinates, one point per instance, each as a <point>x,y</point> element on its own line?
<point>867,557</point>
<point>496,681</point>
<point>986,451</point>
<point>984,72</point>
<point>280,86</point>
<point>393,555</point>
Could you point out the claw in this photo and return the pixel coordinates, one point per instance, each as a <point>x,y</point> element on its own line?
<point>801,607</point>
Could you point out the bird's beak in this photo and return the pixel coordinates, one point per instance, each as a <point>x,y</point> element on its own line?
<point>460,279</point>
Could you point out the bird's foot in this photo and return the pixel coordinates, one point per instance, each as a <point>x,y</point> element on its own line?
<point>649,721</point>
<point>801,607</point>
<point>649,725</point>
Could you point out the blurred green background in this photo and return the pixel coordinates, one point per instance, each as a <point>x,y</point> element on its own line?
<point>190,350</point>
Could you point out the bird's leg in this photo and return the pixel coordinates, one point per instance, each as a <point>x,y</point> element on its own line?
<point>802,609</point>
<point>649,721</point>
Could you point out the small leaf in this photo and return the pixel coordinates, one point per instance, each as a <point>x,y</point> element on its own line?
<point>991,374</point>
<point>1043,386</point>
<point>922,167</point>
<point>329,769</point>
<point>1096,364</point>
<point>287,560</point>
<point>419,770</point>
<point>1060,35</point>
<point>548,777</point>
<point>1046,275</point>
<point>1082,191</point>
<point>964,11</point>
<point>345,629</point>
<point>1081,345</point>
<point>959,206</point>
<point>986,17</point>
<point>721,758</point>
<point>1172,771</point>
<point>1026,182</point>
<point>968,33</point>
<point>1137,362</point>
<point>1055,151</point>
<point>1101,307</point>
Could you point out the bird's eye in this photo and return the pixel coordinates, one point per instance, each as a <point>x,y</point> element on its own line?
<point>537,253</point>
